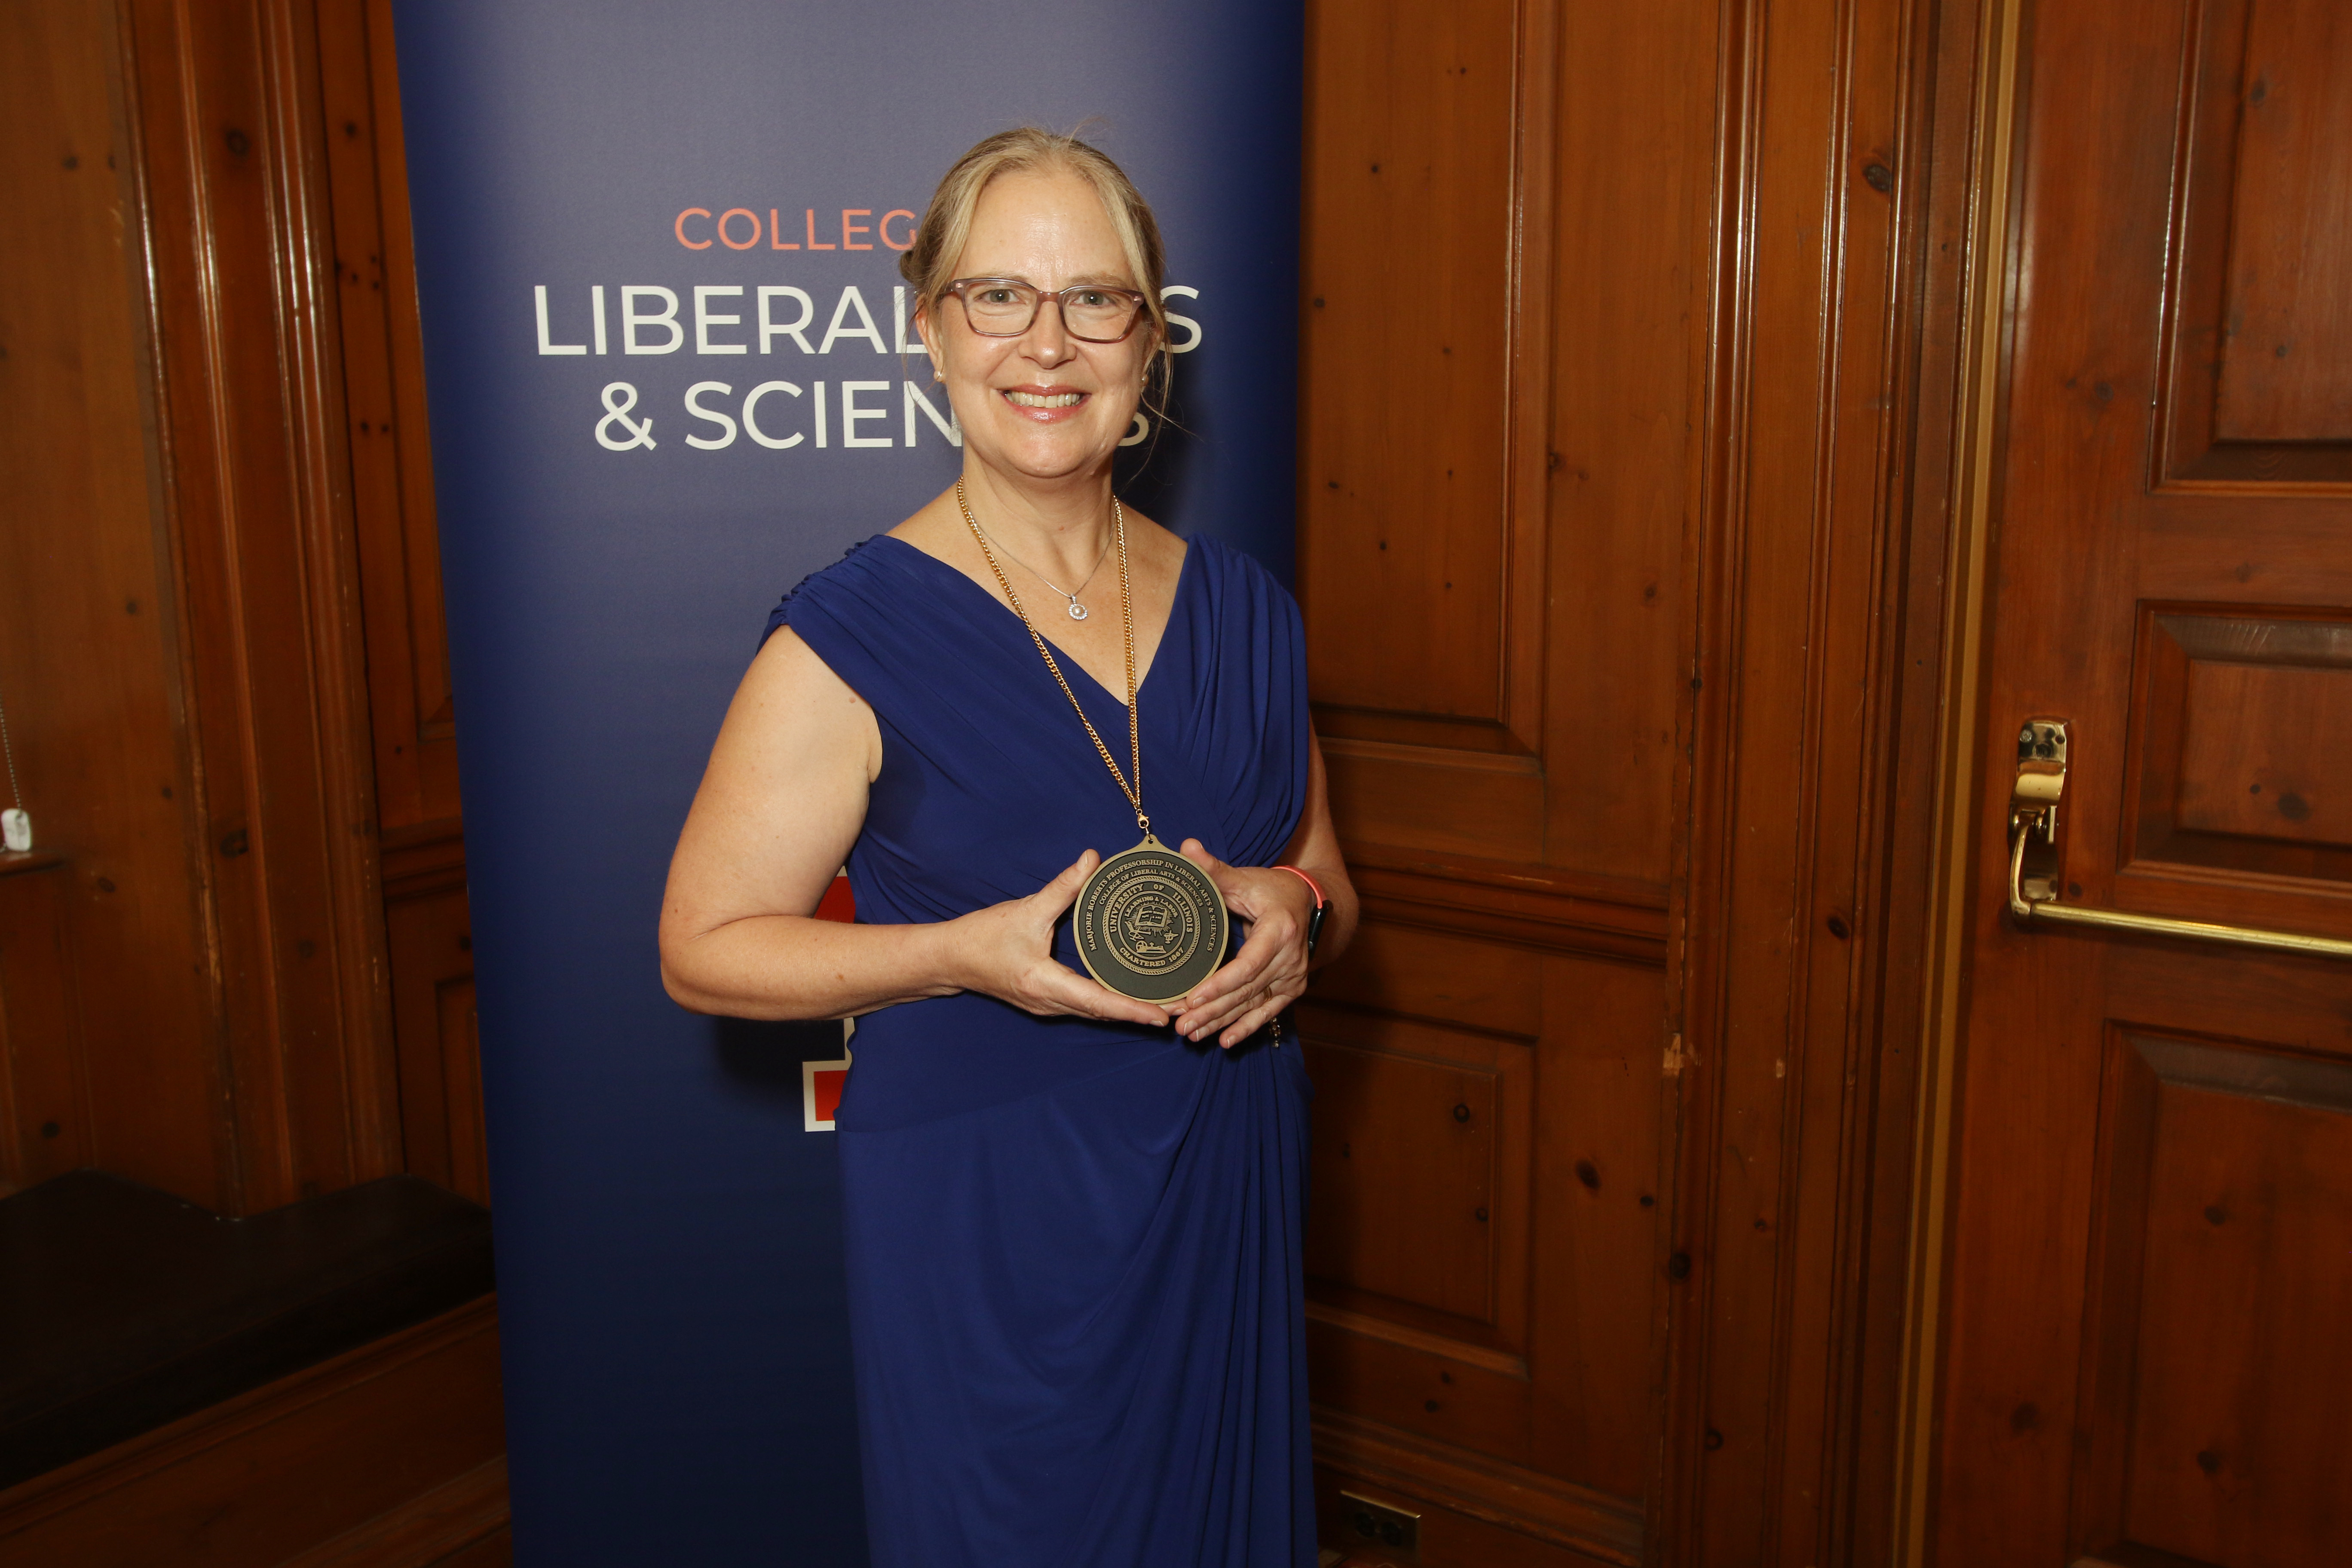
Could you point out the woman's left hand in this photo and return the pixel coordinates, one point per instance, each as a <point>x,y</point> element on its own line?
<point>1270,971</point>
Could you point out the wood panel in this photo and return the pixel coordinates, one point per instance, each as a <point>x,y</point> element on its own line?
<point>2221,1278</point>
<point>2242,740</point>
<point>44,1088</point>
<point>91,666</point>
<point>2258,389</point>
<point>412,719</point>
<point>412,715</point>
<point>388,1456</point>
<point>1406,1159</point>
<point>2286,357</point>
<point>1633,151</point>
<point>1406,568</point>
<point>440,1050</point>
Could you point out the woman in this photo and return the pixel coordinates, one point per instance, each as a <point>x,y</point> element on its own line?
<point>1072,1215</point>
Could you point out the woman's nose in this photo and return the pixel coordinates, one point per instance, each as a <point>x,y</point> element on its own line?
<point>1047,340</point>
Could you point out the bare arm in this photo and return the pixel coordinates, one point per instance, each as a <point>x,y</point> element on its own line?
<point>1270,971</point>
<point>781,804</point>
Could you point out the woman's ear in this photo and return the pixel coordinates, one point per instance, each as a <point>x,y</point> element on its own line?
<point>930,344</point>
<point>923,336</point>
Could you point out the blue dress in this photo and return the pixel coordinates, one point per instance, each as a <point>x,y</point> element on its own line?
<point>1073,1246</point>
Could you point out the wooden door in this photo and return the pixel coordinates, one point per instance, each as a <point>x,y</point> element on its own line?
<point>1484,1244</point>
<point>2148,1360</point>
<point>1623,649</point>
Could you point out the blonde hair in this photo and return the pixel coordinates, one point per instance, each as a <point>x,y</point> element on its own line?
<point>929,264</point>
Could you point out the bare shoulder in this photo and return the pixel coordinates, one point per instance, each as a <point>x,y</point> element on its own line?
<point>936,529</point>
<point>792,704</point>
<point>786,666</point>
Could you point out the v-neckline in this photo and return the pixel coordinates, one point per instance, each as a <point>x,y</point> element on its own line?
<point>1063,655</point>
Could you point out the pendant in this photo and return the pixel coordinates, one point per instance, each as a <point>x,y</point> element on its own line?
<point>1150,924</point>
<point>1077,611</point>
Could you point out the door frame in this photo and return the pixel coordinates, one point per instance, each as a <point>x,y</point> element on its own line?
<point>1986,316</point>
<point>1854,187</point>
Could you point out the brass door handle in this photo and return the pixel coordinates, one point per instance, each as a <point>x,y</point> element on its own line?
<point>2034,862</point>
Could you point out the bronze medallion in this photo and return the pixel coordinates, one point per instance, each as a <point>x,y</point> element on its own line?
<point>1150,924</point>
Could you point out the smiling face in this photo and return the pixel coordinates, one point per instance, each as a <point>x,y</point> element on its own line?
<point>1044,405</point>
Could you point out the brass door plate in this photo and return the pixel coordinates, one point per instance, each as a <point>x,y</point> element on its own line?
<point>2034,803</point>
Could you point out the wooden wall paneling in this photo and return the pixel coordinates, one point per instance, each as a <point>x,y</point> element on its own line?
<point>44,1125</point>
<point>228,100</point>
<point>391,480</point>
<point>1800,589</point>
<point>388,1455</point>
<point>419,818</point>
<point>1603,1149</point>
<point>90,656</point>
<point>1424,616</point>
<point>432,1003</point>
<point>1635,169</point>
<point>1406,568</point>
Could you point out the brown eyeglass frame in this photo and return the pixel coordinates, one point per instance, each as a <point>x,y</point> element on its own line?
<point>1061,298</point>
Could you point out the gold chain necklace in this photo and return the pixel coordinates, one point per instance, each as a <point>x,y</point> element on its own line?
<point>1148,923</point>
<point>1126,628</point>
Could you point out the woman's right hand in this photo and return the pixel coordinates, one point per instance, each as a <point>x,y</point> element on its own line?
<point>1007,950</point>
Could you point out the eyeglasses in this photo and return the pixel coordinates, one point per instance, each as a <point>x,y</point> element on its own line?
<point>1005,307</point>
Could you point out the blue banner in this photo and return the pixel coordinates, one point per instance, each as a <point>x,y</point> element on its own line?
<point>671,371</point>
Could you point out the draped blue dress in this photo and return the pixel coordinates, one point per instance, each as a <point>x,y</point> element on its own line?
<point>1073,1246</point>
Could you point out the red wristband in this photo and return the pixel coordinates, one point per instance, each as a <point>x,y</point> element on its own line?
<point>1322,904</point>
<point>1318,888</point>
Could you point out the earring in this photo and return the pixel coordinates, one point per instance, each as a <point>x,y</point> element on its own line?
<point>938,374</point>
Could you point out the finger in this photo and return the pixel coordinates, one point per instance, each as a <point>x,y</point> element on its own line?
<point>1240,972</point>
<point>1216,1012</point>
<point>1258,1018</point>
<point>1206,1021</point>
<point>1073,992</point>
<point>1232,883</point>
<point>1063,892</point>
<point>1195,851</point>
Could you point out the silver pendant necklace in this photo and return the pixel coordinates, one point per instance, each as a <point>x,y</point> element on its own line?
<point>1077,611</point>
